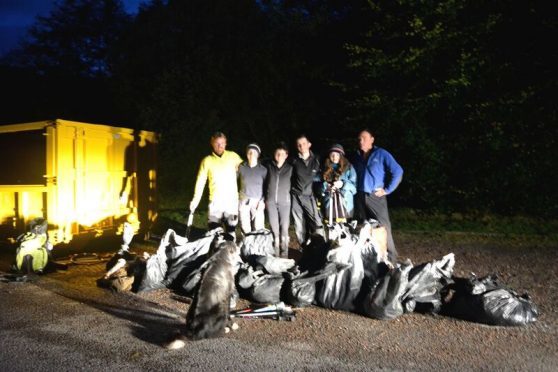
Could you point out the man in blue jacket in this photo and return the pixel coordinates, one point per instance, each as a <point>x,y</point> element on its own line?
<point>378,175</point>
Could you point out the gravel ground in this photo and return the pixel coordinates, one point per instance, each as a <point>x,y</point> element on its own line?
<point>334,340</point>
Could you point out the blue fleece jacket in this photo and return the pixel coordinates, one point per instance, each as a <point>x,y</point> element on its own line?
<point>379,171</point>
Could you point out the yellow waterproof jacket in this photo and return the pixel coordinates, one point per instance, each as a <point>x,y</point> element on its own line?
<point>221,173</point>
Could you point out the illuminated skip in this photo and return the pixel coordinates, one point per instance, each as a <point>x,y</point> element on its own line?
<point>82,178</point>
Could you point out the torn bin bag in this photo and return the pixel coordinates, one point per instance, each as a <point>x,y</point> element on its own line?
<point>425,284</point>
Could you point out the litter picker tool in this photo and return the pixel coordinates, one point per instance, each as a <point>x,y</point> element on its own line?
<point>189,223</point>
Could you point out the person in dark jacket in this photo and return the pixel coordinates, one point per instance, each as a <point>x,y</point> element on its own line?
<point>304,209</point>
<point>278,199</point>
<point>378,175</point>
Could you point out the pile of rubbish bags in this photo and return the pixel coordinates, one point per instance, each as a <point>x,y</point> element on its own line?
<point>347,272</point>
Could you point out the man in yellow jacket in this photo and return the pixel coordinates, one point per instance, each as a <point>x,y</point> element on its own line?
<point>219,169</point>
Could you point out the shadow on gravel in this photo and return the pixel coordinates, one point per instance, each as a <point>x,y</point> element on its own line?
<point>154,323</point>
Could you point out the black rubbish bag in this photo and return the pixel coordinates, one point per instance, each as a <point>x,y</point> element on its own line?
<point>257,243</point>
<point>270,264</point>
<point>246,276</point>
<point>487,301</point>
<point>257,286</point>
<point>193,279</point>
<point>314,254</point>
<point>266,289</point>
<point>340,290</point>
<point>155,272</point>
<point>423,293</point>
<point>301,292</point>
<point>301,289</point>
<point>384,299</point>
<point>176,257</point>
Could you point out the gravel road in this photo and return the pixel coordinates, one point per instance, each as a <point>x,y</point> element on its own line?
<point>64,321</point>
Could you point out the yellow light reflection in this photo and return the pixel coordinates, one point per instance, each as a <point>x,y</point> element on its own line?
<point>97,176</point>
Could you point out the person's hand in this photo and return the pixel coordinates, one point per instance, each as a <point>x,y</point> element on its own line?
<point>127,234</point>
<point>380,192</point>
<point>193,206</point>
<point>338,184</point>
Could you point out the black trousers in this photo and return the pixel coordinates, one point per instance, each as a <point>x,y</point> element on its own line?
<point>370,206</point>
<point>279,216</point>
<point>306,217</point>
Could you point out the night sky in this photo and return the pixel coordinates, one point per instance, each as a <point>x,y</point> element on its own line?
<point>17,15</point>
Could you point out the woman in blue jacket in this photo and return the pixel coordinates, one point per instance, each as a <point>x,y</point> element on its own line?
<point>339,177</point>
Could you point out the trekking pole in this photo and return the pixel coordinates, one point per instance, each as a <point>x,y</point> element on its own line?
<point>331,198</point>
<point>276,307</point>
<point>336,205</point>
<point>256,315</point>
<point>342,208</point>
<point>286,313</point>
<point>279,306</point>
<point>275,315</point>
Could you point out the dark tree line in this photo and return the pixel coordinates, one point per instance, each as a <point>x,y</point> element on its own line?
<point>461,92</point>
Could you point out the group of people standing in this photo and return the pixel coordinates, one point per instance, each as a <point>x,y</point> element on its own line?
<point>300,186</point>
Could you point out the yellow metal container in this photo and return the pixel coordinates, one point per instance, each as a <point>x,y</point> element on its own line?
<point>83,178</point>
